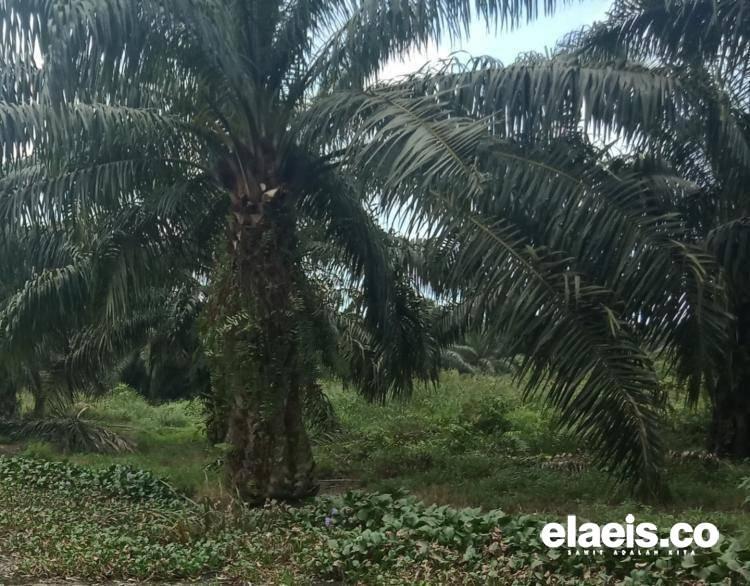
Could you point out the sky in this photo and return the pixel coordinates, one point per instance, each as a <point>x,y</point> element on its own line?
<point>536,36</point>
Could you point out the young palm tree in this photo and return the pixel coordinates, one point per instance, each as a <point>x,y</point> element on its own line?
<point>481,351</point>
<point>187,111</point>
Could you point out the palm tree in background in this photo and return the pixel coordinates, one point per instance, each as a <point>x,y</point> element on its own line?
<point>186,115</point>
<point>60,338</point>
<point>478,352</point>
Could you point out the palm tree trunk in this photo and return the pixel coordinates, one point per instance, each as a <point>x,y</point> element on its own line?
<point>271,456</point>
<point>40,398</point>
<point>730,426</point>
<point>9,407</point>
<point>270,453</point>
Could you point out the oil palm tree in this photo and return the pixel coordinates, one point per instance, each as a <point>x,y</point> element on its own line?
<point>507,216</point>
<point>479,352</point>
<point>572,198</point>
<point>59,309</point>
<point>188,113</point>
<point>591,183</point>
<point>706,46</point>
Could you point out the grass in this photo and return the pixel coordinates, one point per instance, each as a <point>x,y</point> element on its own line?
<point>474,442</point>
<point>169,438</point>
<point>471,442</point>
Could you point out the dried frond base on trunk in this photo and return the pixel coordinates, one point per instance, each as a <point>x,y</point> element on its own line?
<point>260,372</point>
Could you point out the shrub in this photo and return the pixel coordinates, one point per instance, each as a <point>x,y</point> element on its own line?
<point>172,415</point>
<point>115,481</point>
<point>73,433</point>
<point>372,534</point>
<point>52,517</point>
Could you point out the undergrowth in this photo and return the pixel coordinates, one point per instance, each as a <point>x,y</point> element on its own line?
<point>472,442</point>
<point>62,520</point>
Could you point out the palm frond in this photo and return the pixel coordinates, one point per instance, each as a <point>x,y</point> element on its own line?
<point>581,351</point>
<point>730,243</point>
<point>72,433</point>
<point>550,96</point>
<point>362,36</point>
<point>393,318</point>
<point>679,31</point>
<point>319,412</point>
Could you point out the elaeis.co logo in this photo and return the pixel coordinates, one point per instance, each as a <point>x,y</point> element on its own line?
<point>628,539</point>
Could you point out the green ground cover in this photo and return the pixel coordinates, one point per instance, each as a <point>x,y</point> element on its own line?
<point>430,478</point>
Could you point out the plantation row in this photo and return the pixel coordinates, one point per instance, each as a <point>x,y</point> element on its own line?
<point>222,199</point>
